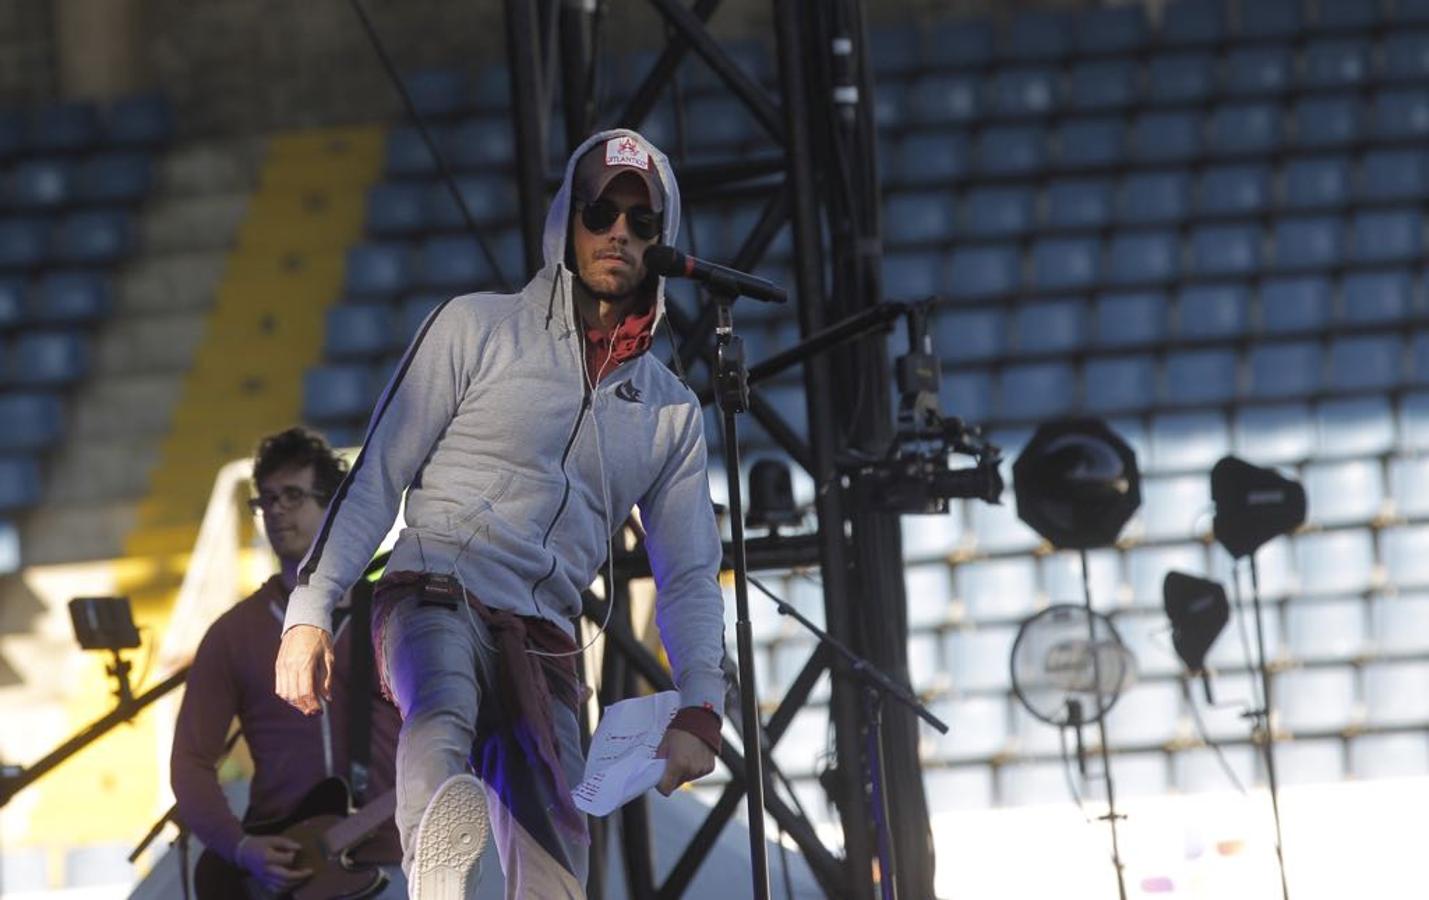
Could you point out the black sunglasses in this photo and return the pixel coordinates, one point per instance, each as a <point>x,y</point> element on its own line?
<point>598,215</point>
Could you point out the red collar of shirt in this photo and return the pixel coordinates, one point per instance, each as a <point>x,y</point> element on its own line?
<point>629,339</point>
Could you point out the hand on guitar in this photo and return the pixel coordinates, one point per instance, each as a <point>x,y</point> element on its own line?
<point>267,859</point>
<point>303,672</point>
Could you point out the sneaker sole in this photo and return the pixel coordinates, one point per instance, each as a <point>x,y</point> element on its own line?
<point>450,839</point>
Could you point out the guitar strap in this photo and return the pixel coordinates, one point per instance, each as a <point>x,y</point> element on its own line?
<point>360,691</point>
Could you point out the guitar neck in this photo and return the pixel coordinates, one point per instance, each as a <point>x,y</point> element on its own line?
<point>361,823</point>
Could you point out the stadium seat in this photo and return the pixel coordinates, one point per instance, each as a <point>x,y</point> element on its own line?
<point>894,48</point>
<point>1354,426</point>
<point>1031,91</point>
<point>12,303</point>
<point>1064,264</point>
<point>1149,198</point>
<point>69,298</point>
<point>1193,22</point>
<point>1328,121</point>
<point>944,98</point>
<point>37,185</point>
<point>407,153</point>
<point>141,120</point>
<point>1212,311</point>
<point>359,331</point>
<point>480,144</point>
<point>918,217</point>
<point>1386,236</point>
<point>890,106</point>
<point>338,392</point>
<point>12,133</point>
<point>1036,391</point>
<point>1401,113</point>
<point>1147,715</point>
<point>19,482</point>
<point>1326,630</point>
<point>1394,693</point>
<point>1335,562</point>
<point>1166,137</point>
<point>969,394</point>
<point>1141,257</point>
<point>1278,434</point>
<point>1344,492</point>
<point>1309,243</point>
<point>911,276</point>
<point>1393,755</point>
<point>1101,85</point>
<point>1399,623</point>
<point>1270,19</point>
<point>960,43</point>
<point>413,311</point>
<point>1297,304</point>
<point>1257,69</point>
<point>1394,175</point>
<point>453,263</point>
<point>49,358</point>
<point>1130,319</point>
<point>439,92</point>
<point>981,272</point>
<point>1180,78</point>
<point>969,335</point>
<point>978,657</point>
<point>492,89</point>
<point>1117,384</point>
<point>1284,369</point>
<point>1316,182</point>
<point>1374,297</point>
<point>1337,62</point>
<point>749,54</point>
<point>1112,29</point>
<point>1405,56</point>
<point>24,243</point>
<point>1200,377</point>
<point>1037,36</point>
<point>1081,203</point>
<point>933,157</point>
<point>720,121</point>
<point>1225,249</point>
<point>977,728</point>
<point>1187,441</point>
<point>998,212</point>
<point>378,270</point>
<point>489,198</point>
<point>33,421</point>
<point>395,209</point>
<point>997,589</point>
<point>1236,190</point>
<point>1243,129</point>
<point>1049,326</point>
<point>1011,150</point>
<point>1347,15</point>
<point>1315,700</point>
<point>1366,362</point>
<point>1090,143</point>
<point>94,237</point>
<point>1175,508</point>
<point>62,128</point>
<point>124,177</point>
<point>1409,486</point>
<point>1147,567</point>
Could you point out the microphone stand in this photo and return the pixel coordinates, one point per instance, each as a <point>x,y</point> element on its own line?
<point>1260,720</point>
<point>732,392</point>
<point>1111,813</point>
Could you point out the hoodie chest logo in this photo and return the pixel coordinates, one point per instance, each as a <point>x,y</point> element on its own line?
<point>628,392</point>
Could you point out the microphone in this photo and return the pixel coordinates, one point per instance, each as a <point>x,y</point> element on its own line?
<point>671,263</point>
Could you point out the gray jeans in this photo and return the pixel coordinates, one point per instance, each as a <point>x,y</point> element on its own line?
<point>441,667</point>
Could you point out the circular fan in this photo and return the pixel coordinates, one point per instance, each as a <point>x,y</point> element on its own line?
<point>1059,660</point>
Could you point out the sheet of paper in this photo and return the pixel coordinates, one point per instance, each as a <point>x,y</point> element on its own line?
<point>622,765</point>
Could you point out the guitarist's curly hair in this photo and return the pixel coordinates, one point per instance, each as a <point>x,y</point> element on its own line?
<point>298,448</point>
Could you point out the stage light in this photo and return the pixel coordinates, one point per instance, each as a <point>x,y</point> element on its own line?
<point>771,496</point>
<point>1077,483</point>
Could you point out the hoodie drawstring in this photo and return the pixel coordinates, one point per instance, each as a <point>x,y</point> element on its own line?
<point>551,300</point>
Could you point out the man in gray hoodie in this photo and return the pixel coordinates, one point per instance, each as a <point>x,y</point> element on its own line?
<point>523,429</point>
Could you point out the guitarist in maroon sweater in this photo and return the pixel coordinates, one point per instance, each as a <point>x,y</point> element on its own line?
<point>295,474</point>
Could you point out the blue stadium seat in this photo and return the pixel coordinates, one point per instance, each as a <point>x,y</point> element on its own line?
<point>24,243</point>
<point>1012,150</point>
<point>918,217</point>
<point>337,392</point>
<point>1049,326</point>
<point>1150,198</point>
<point>378,270</point>
<point>19,482</point>
<point>1400,622</point>
<point>1200,376</point>
<point>1212,311</point>
<point>969,335</point>
<point>1331,121</point>
<point>1238,190</point>
<point>1278,434</point>
<point>49,358</point>
<point>69,298</point>
<point>12,303</point>
<point>141,120</point>
<point>890,105</point>
<point>1285,369</point>
<point>1269,19</point>
<point>41,184</point>
<point>1180,78</point>
<point>894,48</point>
<point>1091,143</point>
<point>1242,129</point>
<point>1375,297</point>
<point>719,121</point>
<point>1412,411</point>
<point>1405,55</point>
<point>1311,243</point>
<point>489,198</point>
<point>414,310</point>
<point>1347,15</point>
<point>1139,257</point>
<point>1035,391</point>
<point>1188,442</point>
<point>94,237</point>
<point>969,394</point>
<point>1166,136</point>
<point>1316,182</point>
<point>912,276</point>
<point>1225,249</point>
<point>1146,569</point>
<point>1335,562</point>
<point>62,128</point>
<point>1336,63</point>
<point>1312,701</point>
<point>1394,175</point>
<point>959,43</point>
<point>1290,305</point>
<point>123,177</point>
<point>452,263</point>
<point>1401,113</point>
<point>1082,203</point>
<point>1103,85</point>
<point>481,143</point>
<point>1354,426</point>
<point>1117,384</point>
<point>942,98</point>
<point>12,133</point>
<point>1394,693</point>
<point>395,209</point>
<point>1173,508</point>
<point>1191,22</point>
<point>1024,92</point>
<point>998,212</point>
<point>978,272</point>
<point>933,157</point>
<point>1065,264</point>
<point>1386,235</point>
<point>439,92</point>
<point>1037,36</point>
<point>33,421</point>
<point>748,54</point>
<point>1130,319</point>
<point>1110,29</point>
<point>1366,362</point>
<point>492,89</point>
<point>359,330</point>
<point>1258,70</point>
<point>407,153</point>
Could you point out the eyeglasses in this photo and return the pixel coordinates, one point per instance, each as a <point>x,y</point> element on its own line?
<point>599,215</point>
<point>288,498</point>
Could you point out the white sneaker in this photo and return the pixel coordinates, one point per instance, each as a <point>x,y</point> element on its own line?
<point>450,839</point>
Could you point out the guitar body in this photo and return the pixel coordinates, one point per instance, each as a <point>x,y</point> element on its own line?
<point>335,876</point>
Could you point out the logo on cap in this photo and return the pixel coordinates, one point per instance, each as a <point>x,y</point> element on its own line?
<point>624,151</point>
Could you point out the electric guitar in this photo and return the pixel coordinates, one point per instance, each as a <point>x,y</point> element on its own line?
<point>327,827</point>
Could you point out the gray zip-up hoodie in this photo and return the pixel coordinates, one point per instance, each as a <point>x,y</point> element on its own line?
<point>490,427</point>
